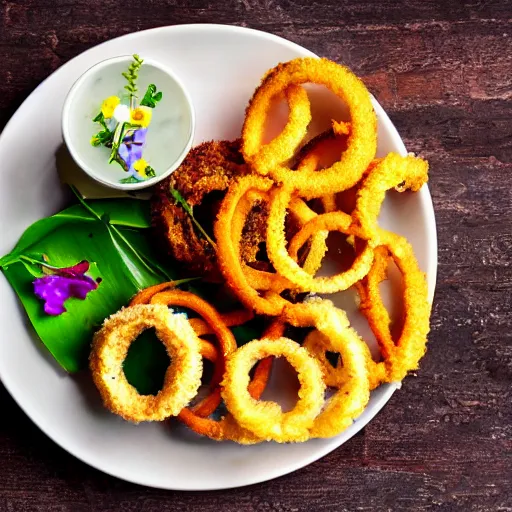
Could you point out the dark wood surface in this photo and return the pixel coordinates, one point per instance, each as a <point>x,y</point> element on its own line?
<point>443,71</point>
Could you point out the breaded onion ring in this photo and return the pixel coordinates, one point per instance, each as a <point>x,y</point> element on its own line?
<point>145,295</point>
<point>266,419</point>
<point>353,395</point>
<point>318,246</point>
<point>393,171</point>
<point>285,263</point>
<point>362,141</point>
<point>258,279</point>
<point>227,428</point>
<point>231,319</point>
<point>224,336</point>
<point>227,255</point>
<point>109,349</point>
<point>321,152</point>
<point>201,328</point>
<point>404,354</point>
<point>371,305</point>
<point>282,147</point>
<point>317,345</point>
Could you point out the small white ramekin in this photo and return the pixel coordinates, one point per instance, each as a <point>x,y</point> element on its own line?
<point>170,133</point>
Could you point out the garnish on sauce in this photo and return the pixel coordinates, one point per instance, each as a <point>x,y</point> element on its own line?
<point>124,125</point>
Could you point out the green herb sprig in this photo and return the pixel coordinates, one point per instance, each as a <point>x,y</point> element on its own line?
<point>132,75</point>
<point>182,201</point>
<point>105,136</point>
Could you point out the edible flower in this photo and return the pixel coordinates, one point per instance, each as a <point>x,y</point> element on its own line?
<point>130,150</point>
<point>61,284</point>
<point>124,126</point>
<point>141,116</point>
<point>109,105</point>
<point>122,114</point>
<point>140,166</point>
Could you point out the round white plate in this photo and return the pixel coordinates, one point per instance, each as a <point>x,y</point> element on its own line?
<point>220,66</point>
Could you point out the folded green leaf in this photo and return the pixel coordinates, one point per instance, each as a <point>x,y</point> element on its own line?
<point>103,138</point>
<point>100,118</point>
<point>121,256</point>
<point>151,97</point>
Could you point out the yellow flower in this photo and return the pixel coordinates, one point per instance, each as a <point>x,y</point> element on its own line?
<point>109,105</point>
<point>141,116</point>
<point>140,166</point>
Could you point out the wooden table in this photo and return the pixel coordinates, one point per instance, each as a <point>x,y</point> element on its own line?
<point>443,72</point>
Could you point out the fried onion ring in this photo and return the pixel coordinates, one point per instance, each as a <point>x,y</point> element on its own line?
<point>282,147</point>
<point>224,336</point>
<point>404,354</point>
<point>109,349</point>
<point>317,345</point>
<point>362,141</point>
<point>266,419</point>
<point>393,171</point>
<point>227,255</point>
<point>352,396</point>
<point>227,428</point>
<point>285,263</point>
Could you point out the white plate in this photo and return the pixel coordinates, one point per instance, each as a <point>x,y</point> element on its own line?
<point>220,66</point>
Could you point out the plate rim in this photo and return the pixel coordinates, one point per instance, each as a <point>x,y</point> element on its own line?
<point>432,249</point>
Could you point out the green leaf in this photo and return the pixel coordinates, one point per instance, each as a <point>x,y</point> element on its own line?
<point>68,336</point>
<point>131,213</point>
<point>130,179</point>
<point>150,172</point>
<point>181,200</point>
<point>121,256</point>
<point>103,138</point>
<point>100,118</point>
<point>151,97</point>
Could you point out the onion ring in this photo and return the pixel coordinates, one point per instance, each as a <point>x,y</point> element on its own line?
<point>401,356</point>
<point>266,419</point>
<point>362,141</point>
<point>231,319</point>
<point>182,378</point>
<point>282,147</point>
<point>285,263</point>
<point>318,246</point>
<point>317,345</point>
<point>257,279</point>
<point>353,395</point>
<point>370,303</point>
<point>319,153</point>
<point>227,255</point>
<point>227,428</point>
<point>224,336</point>
<point>145,295</point>
<point>201,328</point>
<point>393,171</point>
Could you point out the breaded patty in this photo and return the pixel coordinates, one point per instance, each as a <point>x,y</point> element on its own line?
<point>202,180</point>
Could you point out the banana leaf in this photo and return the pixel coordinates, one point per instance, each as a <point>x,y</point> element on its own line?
<point>113,247</point>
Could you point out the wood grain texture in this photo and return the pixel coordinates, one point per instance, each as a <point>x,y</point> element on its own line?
<point>443,71</point>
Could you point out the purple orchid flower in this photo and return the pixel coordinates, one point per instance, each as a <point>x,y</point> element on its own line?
<point>130,149</point>
<point>63,284</point>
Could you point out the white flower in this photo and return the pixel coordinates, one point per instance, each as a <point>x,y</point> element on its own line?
<point>122,114</point>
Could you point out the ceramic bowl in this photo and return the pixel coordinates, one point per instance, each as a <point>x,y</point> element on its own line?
<point>169,135</point>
